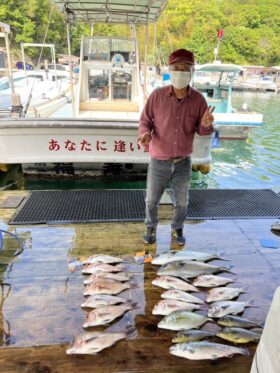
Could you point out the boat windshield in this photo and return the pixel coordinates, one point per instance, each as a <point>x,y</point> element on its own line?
<point>213,78</point>
<point>108,49</point>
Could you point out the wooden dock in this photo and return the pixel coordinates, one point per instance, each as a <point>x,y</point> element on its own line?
<point>40,298</point>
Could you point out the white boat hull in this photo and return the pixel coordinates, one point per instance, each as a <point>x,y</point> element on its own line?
<point>236,126</point>
<point>28,141</point>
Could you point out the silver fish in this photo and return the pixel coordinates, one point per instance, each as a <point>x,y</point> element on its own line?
<point>111,276</point>
<point>106,286</point>
<point>176,255</point>
<point>191,336</point>
<point>101,300</point>
<point>205,350</point>
<point>104,315</point>
<point>181,295</point>
<point>238,322</point>
<point>183,320</point>
<point>189,269</point>
<point>223,293</point>
<point>209,281</point>
<point>169,282</point>
<point>96,267</point>
<point>167,306</point>
<point>239,335</point>
<point>222,308</point>
<point>92,343</point>
<point>97,258</point>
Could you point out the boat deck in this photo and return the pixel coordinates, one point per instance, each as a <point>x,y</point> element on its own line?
<point>40,305</point>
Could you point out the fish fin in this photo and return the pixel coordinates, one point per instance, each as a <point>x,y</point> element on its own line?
<point>214,357</point>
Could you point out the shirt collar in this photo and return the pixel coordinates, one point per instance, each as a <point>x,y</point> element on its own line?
<point>171,93</point>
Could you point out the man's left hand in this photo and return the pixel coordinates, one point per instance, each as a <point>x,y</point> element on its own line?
<point>208,118</point>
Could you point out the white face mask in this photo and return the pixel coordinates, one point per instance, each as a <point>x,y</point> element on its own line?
<point>180,79</point>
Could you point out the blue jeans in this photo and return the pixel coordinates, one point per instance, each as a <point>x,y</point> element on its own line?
<point>159,175</point>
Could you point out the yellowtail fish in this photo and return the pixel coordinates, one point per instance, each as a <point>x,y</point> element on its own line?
<point>167,306</point>
<point>238,322</point>
<point>183,320</point>
<point>189,269</point>
<point>105,315</point>
<point>205,350</point>
<point>239,335</point>
<point>191,336</point>
<point>169,282</point>
<point>92,343</point>
<point>176,255</point>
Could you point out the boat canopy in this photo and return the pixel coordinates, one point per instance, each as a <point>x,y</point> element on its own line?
<point>112,11</point>
<point>219,67</point>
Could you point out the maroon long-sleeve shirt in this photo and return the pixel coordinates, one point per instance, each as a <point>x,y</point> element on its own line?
<point>172,123</point>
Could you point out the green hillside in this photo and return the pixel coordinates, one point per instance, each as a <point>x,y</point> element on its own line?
<point>251,29</point>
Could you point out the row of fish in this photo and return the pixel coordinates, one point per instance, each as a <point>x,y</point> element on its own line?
<point>104,282</point>
<point>177,269</point>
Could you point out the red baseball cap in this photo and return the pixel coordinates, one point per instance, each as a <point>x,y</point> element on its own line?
<point>181,55</point>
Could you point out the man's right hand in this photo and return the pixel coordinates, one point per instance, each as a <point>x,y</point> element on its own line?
<point>145,139</point>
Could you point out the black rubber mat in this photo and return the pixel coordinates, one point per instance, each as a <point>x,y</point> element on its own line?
<point>81,206</point>
<point>233,204</point>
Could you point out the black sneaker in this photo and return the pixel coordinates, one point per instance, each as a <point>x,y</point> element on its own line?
<point>150,236</point>
<point>178,235</point>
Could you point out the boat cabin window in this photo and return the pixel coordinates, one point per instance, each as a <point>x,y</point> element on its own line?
<point>96,49</point>
<point>98,84</point>
<point>113,50</point>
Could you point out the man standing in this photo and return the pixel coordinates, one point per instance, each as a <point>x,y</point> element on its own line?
<point>168,124</point>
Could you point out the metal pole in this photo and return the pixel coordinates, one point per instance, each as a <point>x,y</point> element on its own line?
<point>145,57</point>
<point>54,64</point>
<point>71,71</point>
<point>23,60</point>
<point>155,35</point>
<point>10,71</point>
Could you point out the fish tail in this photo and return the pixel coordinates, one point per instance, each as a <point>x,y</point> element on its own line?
<point>244,351</point>
<point>228,270</point>
<point>134,306</point>
<point>131,332</point>
<point>133,285</point>
<point>250,303</point>
<point>220,257</point>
